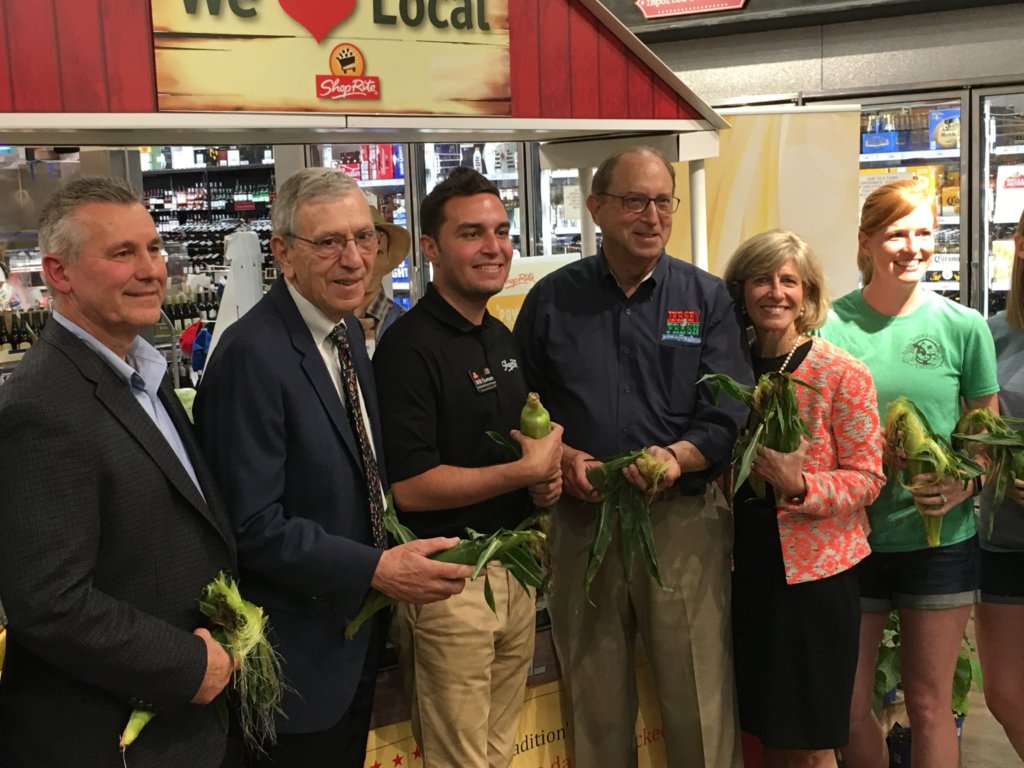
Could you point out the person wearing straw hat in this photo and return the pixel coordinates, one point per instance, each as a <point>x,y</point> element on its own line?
<point>377,311</point>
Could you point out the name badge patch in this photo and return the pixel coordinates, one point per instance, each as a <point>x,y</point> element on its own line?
<point>483,380</point>
<point>682,326</point>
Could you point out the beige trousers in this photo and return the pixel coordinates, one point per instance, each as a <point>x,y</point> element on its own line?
<point>686,633</point>
<point>464,670</point>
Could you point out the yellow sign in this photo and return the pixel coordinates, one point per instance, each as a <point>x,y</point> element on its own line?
<point>522,276</point>
<point>544,735</point>
<point>395,56</point>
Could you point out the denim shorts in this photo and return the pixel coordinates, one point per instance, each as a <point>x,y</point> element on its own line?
<point>930,579</point>
<point>1002,577</point>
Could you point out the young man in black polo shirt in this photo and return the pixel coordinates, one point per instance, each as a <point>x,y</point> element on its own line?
<point>448,372</point>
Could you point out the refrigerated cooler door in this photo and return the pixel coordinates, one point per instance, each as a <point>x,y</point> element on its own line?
<point>922,139</point>
<point>1002,193</point>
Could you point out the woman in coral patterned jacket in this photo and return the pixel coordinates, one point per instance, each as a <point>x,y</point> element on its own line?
<point>796,610</point>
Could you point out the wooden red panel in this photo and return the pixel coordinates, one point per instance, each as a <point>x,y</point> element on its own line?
<point>524,57</point>
<point>6,94</point>
<point>83,72</point>
<point>585,75</point>
<point>128,45</point>
<point>666,101</point>
<point>555,69</point>
<point>613,66</point>
<point>32,56</point>
<point>641,90</point>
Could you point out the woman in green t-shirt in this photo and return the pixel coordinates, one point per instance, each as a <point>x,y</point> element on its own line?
<point>940,355</point>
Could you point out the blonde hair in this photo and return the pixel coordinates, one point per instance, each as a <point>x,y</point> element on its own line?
<point>1015,298</point>
<point>889,203</point>
<point>764,254</point>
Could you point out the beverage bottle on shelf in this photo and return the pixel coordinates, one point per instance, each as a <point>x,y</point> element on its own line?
<point>15,335</point>
<point>5,339</point>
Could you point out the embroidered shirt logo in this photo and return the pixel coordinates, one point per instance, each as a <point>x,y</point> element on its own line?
<point>509,365</point>
<point>682,325</point>
<point>923,352</point>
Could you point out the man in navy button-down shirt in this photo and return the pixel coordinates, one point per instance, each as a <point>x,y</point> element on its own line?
<point>615,344</point>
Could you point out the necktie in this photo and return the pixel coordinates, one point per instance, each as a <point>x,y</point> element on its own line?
<point>355,415</point>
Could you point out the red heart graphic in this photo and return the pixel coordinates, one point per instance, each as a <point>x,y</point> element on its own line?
<point>318,16</point>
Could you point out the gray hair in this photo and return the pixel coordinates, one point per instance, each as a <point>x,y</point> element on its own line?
<point>767,252</point>
<point>603,176</point>
<point>58,232</point>
<point>303,186</point>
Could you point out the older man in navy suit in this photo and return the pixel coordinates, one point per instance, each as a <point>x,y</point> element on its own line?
<point>110,524</point>
<point>287,413</point>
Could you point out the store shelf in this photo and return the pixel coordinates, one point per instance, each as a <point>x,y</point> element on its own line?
<point>207,169</point>
<point>505,176</point>
<point>1000,285</point>
<point>1014,150</point>
<point>948,221</point>
<point>941,285</point>
<point>381,182</point>
<point>919,154</point>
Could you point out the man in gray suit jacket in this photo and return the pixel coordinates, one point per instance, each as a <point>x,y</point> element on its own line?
<point>287,413</point>
<point>110,525</point>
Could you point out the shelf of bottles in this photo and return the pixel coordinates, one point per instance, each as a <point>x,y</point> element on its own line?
<point>498,161</point>
<point>198,195</point>
<point>1003,195</point>
<point>562,209</point>
<point>19,329</point>
<point>922,140</point>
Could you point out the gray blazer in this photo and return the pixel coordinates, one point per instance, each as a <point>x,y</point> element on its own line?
<point>105,547</point>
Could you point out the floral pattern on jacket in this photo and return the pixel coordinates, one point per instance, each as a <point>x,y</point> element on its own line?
<point>826,533</point>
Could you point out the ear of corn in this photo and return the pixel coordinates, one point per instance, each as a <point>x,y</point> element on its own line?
<point>241,628</point>
<point>627,505</point>
<point>909,435</point>
<point>510,548</point>
<point>1002,439</point>
<point>774,421</point>
<point>534,421</point>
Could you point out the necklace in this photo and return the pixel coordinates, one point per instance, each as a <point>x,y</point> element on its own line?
<point>789,357</point>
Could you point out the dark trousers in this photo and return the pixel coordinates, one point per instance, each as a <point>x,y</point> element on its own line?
<point>343,745</point>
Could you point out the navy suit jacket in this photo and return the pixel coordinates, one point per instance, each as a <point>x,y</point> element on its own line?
<point>105,547</point>
<point>279,440</point>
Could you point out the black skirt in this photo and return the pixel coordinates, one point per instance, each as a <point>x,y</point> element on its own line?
<point>795,645</point>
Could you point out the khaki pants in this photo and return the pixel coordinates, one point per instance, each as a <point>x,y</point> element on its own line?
<point>686,633</point>
<point>465,671</point>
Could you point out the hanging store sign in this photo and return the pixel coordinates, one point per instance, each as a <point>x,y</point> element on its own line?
<point>380,56</point>
<point>659,9</point>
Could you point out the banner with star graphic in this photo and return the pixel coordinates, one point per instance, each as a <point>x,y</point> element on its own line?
<point>544,735</point>
<point>380,56</point>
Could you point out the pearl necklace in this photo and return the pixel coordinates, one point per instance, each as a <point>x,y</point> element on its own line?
<point>789,357</point>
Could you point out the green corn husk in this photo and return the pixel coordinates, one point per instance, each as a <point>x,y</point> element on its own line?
<point>626,504</point>
<point>513,549</point>
<point>241,628</point>
<point>909,434</point>
<point>1002,438</point>
<point>774,421</point>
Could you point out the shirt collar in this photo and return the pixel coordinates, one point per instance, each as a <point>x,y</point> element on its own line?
<point>144,366</point>
<point>445,313</point>
<point>320,326</point>
<point>378,308</point>
<point>656,273</point>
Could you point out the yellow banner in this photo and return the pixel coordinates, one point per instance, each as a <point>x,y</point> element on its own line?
<point>544,733</point>
<point>396,56</point>
<point>522,276</point>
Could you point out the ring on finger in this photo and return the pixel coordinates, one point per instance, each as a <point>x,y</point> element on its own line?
<point>944,499</point>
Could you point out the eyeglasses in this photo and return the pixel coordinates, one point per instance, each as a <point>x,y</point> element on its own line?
<point>333,245</point>
<point>639,203</point>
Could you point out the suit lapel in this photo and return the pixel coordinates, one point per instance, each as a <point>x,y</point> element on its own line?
<point>115,395</point>
<point>314,368</point>
<point>212,508</point>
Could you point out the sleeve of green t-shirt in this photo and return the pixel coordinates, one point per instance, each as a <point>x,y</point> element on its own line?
<point>978,373</point>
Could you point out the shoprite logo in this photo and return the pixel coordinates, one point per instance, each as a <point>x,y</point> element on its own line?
<point>347,80</point>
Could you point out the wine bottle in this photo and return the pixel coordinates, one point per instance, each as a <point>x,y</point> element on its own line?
<point>5,339</point>
<point>15,336</point>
